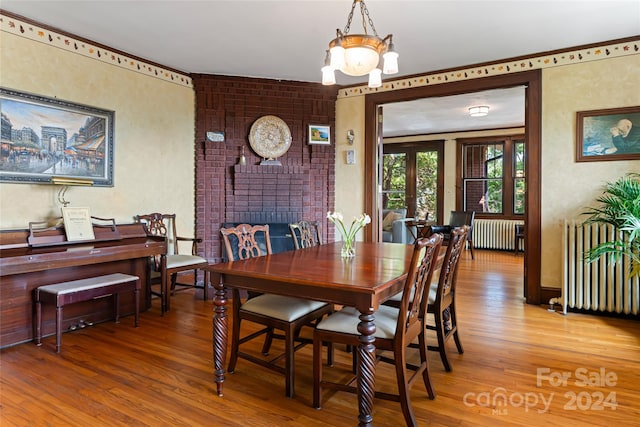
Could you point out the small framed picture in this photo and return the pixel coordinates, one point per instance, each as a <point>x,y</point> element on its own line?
<point>319,134</point>
<point>612,134</point>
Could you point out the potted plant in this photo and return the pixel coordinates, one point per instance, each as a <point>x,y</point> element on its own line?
<point>619,207</point>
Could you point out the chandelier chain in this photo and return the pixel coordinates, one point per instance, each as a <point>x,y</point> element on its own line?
<point>363,12</point>
<point>348,26</point>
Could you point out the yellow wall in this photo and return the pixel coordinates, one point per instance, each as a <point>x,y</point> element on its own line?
<point>567,186</point>
<point>349,178</point>
<point>154,134</point>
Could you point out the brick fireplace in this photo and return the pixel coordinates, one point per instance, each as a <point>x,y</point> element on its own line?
<point>303,187</point>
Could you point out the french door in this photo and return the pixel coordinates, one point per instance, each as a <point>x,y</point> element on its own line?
<point>412,178</point>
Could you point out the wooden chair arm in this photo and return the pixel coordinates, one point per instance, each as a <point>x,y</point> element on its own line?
<point>193,241</point>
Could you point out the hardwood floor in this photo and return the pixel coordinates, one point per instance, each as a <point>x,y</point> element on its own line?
<point>161,374</point>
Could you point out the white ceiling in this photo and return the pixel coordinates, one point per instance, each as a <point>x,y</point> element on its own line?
<point>451,113</point>
<point>286,39</point>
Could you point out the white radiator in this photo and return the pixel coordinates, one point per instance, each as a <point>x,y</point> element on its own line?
<point>600,285</point>
<point>495,234</point>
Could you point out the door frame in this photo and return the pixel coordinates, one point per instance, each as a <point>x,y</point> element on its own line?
<point>532,80</point>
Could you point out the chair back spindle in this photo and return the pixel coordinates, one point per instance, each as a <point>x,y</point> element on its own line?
<point>302,233</point>
<point>161,225</point>
<point>423,261</point>
<point>448,275</point>
<point>245,241</point>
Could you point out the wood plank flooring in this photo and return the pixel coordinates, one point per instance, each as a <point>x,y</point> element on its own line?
<point>522,365</point>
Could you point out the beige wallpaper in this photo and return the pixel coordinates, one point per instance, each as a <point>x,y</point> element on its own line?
<point>349,177</point>
<point>567,186</point>
<point>154,134</point>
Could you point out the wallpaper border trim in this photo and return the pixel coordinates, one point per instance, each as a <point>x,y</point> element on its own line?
<point>41,34</point>
<point>503,67</point>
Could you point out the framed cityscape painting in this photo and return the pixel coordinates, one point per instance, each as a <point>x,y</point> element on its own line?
<point>43,140</point>
<point>612,134</point>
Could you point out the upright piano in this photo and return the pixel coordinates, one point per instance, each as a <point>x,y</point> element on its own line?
<point>27,262</point>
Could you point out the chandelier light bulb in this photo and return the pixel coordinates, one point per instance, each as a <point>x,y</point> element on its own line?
<point>328,75</point>
<point>337,57</point>
<point>375,77</point>
<point>390,63</point>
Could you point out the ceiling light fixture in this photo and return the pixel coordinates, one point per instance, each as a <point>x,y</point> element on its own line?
<point>478,111</point>
<point>359,54</point>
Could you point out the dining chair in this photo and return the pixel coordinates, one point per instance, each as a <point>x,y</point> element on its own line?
<point>457,219</point>
<point>518,237</point>
<point>395,329</point>
<point>164,225</point>
<point>305,234</point>
<point>441,302</point>
<point>283,313</point>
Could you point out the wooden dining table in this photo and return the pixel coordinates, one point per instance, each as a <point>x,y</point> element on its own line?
<point>365,281</point>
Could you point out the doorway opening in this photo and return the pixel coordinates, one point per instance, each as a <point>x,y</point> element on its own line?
<point>533,107</point>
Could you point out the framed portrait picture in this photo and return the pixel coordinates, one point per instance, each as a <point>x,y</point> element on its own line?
<point>46,138</point>
<point>319,134</point>
<point>612,134</point>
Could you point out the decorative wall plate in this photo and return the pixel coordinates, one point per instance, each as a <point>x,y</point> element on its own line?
<point>270,137</point>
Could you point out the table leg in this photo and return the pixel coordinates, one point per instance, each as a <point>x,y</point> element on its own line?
<point>220,333</point>
<point>366,368</point>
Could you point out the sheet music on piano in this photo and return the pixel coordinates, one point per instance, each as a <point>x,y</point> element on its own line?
<point>77,224</point>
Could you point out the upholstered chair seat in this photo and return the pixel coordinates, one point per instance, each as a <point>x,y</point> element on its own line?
<point>281,307</point>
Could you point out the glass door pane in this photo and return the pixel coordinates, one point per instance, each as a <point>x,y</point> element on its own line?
<point>427,185</point>
<point>394,182</point>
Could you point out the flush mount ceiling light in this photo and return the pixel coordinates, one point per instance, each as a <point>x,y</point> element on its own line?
<point>478,111</point>
<point>359,54</point>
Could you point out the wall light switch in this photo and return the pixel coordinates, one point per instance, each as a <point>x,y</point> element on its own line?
<point>351,157</point>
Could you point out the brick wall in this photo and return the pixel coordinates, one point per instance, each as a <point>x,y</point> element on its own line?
<point>303,187</point>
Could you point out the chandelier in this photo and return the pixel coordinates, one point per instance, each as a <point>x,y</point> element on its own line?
<point>359,54</point>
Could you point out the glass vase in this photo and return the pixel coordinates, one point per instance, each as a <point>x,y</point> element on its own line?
<point>348,248</point>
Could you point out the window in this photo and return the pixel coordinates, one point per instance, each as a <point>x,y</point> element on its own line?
<point>394,168</point>
<point>492,179</point>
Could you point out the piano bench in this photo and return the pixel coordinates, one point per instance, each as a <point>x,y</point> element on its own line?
<point>74,291</point>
